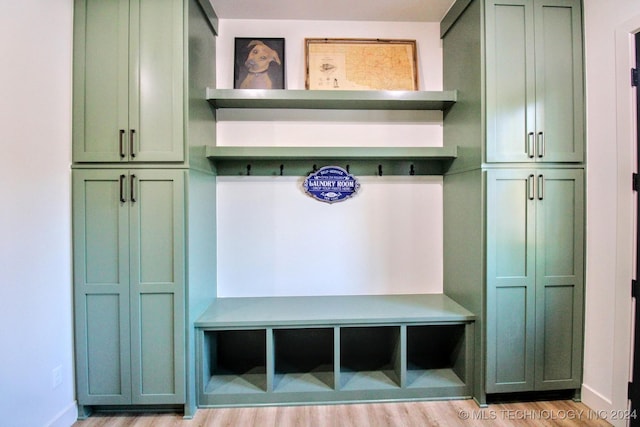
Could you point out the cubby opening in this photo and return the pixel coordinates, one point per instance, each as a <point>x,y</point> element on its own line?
<point>436,356</point>
<point>304,359</point>
<point>237,361</point>
<point>370,358</point>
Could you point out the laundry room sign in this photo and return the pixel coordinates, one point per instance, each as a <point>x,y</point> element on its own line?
<point>331,184</point>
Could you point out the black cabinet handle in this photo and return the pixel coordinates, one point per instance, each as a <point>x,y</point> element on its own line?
<point>530,145</point>
<point>132,133</point>
<point>133,184</point>
<point>122,198</point>
<point>530,189</point>
<point>540,144</point>
<point>121,145</point>
<point>540,187</point>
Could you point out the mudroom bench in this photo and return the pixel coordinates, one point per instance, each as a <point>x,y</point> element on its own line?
<point>324,349</point>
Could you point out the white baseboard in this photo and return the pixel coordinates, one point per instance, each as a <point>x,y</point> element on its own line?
<point>595,400</point>
<point>66,417</point>
<point>603,407</point>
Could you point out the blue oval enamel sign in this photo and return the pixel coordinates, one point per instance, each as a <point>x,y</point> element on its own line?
<point>331,184</point>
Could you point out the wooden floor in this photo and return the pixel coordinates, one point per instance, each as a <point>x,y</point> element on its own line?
<point>403,414</point>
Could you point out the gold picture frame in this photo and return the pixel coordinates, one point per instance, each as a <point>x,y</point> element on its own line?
<point>361,64</point>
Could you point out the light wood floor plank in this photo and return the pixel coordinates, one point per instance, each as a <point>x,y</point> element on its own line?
<point>455,413</point>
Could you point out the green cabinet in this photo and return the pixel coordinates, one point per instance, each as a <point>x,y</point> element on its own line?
<point>534,316</point>
<point>128,81</point>
<point>534,81</point>
<point>129,274</point>
<point>514,197</point>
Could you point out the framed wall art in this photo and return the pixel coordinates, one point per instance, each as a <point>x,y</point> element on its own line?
<point>259,63</point>
<point>361,64</point>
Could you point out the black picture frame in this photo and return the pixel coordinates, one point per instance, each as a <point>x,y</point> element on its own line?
<point>259,63</point>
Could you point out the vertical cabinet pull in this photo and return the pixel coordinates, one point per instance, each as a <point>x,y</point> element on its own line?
<point>122,198</point>
<point>132,133</point>
<point>121,145</point>
<point>530,145</point>
<point>540,187</point>
<point>540,144</point>
<point>530,189</point>
<point>133,194</point>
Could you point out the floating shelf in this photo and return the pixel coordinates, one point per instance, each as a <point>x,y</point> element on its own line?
<point>332,99</point>
<point>301,160</point>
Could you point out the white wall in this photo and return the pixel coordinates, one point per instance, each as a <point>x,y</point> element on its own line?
<point>35,225</point>
<point>275,240</point>
<point>610,150</point>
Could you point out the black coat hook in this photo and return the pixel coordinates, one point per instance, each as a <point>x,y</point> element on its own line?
<point>348,169</point>
<point>315,168</point>
<point>248,169</point>
<point>281,170</point>
<point>412,170</point>
<point>379,170</point>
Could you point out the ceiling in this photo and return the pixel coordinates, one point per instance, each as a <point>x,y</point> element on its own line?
<point>334,10</point>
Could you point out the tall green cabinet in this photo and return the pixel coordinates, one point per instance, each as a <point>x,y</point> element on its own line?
<point>129,242</point>
<point>514,200</point>
<point>139,121</point>
<point>535,227</point>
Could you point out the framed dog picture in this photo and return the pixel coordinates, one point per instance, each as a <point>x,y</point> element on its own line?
<point>259,63</point>
<point>361,64</point>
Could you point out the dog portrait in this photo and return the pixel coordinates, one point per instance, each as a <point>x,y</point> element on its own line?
<point>259,63</point>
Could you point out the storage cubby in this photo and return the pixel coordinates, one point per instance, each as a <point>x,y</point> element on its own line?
<point>236,361</point>
<point>369,357</point>
<point>435,356</point>
<point>304,359</point>
<point>322,349</point>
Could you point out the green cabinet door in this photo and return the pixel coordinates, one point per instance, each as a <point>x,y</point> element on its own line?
<point>510,315</point>
<point>129,286</point>
<point>559,278</point>
<point>101,287</point>
<point>535,267</point>
<point>534,81</point>
<point>128,81</point>
<point>157,251</point>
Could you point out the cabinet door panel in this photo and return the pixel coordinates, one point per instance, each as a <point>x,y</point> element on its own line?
<point>157,346</point>
<point>510,362</point>
<point>556,341</point>
<point>559,279</point>
<point>100,79</point>
<point>107,381</point>
<point>510,280</point>
<point>559,90</point>
<point>510,85</point>
<point>101,288</point>
<point>156,96</point>
<point>157,287</point>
